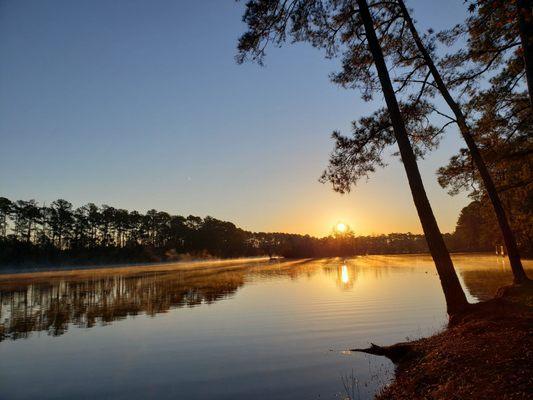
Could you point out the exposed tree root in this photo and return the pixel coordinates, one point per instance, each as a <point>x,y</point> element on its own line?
<point>395,353</point>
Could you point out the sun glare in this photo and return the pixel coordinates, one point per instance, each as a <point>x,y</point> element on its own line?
<point>341,227</point>
<point>345,278</point>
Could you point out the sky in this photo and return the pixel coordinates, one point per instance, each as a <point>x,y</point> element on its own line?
<point>140,104</point>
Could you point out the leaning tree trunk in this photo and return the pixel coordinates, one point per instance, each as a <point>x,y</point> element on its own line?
<point>525,26</point>
<point>508,236</point>
<point>453,292</point>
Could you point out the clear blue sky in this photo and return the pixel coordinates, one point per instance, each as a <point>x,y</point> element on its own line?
<point>139,104</point>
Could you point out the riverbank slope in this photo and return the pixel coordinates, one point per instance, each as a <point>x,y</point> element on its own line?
<point>486,353</point>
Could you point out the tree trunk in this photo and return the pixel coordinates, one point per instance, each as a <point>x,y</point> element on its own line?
<point>508,236</point>
<point>525,26</point>
<point>453,292</point>
<point>28,233</point>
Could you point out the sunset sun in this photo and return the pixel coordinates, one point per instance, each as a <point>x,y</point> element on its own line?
<point>341,227</point>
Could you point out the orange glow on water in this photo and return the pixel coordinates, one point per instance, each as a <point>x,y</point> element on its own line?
<point>344,274</point>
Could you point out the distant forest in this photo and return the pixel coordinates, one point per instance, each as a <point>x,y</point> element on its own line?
<point>61,234</point>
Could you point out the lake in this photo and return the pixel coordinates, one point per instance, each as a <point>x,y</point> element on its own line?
<point>242,329</point>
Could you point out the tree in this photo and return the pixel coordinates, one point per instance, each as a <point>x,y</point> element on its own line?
<point>61,220</point>
<point>162,228</point>
<point>107,215</point>
<point>455,297</point>
<point>177,232</point>
<point>332,25</point>
<point>135,224</point>
<point>474,230</point>
<point>78,236</point>
<point>120,225</point>
<point>525,27</point>
<point>94,220</point>
<point>27,215</point>
<point>501,114</point>
<point>499,41</point>
<point>6,208</point>
<point>506,145</point>
<point>409,52</point>
<point>460,119</point>
<point>80,227</point>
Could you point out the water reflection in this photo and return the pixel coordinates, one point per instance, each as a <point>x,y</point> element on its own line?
<point>484,275</point>
<point>51,305</point>
<point>54,304</point>
<point>344,275</point>
<point>242,330</point>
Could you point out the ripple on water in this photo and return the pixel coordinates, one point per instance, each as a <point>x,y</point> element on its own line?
<point>227,331</point>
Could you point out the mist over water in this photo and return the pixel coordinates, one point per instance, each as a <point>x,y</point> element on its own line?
<point>237,330</point>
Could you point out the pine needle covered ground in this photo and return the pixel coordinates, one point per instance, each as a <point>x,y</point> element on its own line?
<point>486,353</point>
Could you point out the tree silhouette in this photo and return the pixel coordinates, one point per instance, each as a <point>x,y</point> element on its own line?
<point>413,54</point>
<point>27,216</point>
<point>6,207</point>
<point>464,128</point>
<point>85,238</point>
<point>524,13</point>
<point>340,26</point>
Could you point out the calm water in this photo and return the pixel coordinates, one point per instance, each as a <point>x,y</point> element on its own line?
<point>252,330</point>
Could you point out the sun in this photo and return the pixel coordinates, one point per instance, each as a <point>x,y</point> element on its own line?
<point>341,227</point>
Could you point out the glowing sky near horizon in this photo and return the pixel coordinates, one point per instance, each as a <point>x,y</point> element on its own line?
<point>140,105</point>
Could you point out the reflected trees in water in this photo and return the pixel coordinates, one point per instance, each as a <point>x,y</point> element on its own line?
<point>52,305</point>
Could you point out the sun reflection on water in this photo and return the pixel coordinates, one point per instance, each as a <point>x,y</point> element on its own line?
<point>345,278</point>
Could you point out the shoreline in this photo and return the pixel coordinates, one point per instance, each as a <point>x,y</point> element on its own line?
<point>484,353</point>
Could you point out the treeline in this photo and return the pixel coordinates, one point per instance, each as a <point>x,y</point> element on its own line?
<point>477,228</point>
<point>60,233</point>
